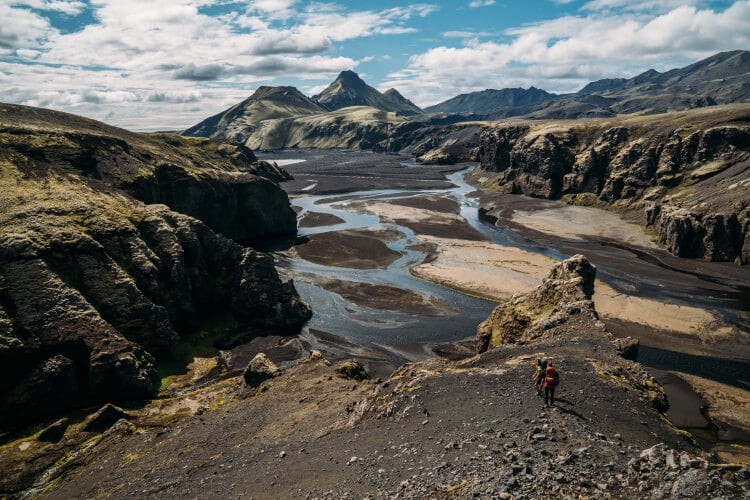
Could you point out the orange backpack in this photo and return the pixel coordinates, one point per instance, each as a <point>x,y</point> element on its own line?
<point>550,377</point>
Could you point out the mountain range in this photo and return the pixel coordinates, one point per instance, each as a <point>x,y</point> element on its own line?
<point>277,117</point>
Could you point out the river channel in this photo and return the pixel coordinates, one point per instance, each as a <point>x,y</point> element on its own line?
<point>646,272</point>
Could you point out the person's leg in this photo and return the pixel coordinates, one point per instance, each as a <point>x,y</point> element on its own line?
<point>546,394</point>
<point>552,396</point>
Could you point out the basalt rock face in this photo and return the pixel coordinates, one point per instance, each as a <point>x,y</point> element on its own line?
<point>562,302</point>
<point>686,174</point>
<point>245,207</point>
<point>95,286</point>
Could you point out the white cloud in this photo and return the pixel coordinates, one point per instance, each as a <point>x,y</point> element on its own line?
<point>273,9</point>
<point>564,54</point>
<point>26,31</point>
<point>640,5</point>
<point>465,34</point>
<point>140,57</point>
<point>70,7</point>
<point>480,3</point>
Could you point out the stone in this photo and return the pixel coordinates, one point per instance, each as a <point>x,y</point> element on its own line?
<point>259,370</point>
<point>628,347</point>
<point>689,485</point>
<point>672,460</point>
<point>104,418</point>
<point>55,431</point>
<point>352,370</point>
<point>655,454</point>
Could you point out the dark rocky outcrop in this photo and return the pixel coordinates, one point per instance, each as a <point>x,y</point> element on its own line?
<point>259,370</point>
<point>95,286</point>
<point>564,294</point>
<point>245,207</point>
<point>685,174</point>
<point>353,370</point>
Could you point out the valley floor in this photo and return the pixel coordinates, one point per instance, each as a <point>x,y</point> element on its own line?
<point>435,428</point>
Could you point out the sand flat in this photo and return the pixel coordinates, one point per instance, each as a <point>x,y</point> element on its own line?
<point>579,223</point>
<point>497,272</point>
<point>424,221</point>
<point>482,268</point>
<point>651,312</point>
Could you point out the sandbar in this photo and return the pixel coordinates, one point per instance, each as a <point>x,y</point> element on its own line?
<point>318,219</point>
<point>425,221</point>
<point>497,272</point>
<point>482,269</point>
<point>355,249</point>
<point>389,298</point>
<point>580,223</point>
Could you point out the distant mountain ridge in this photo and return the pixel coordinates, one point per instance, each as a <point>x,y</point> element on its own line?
<point>723,78</point>
<point>491,101</point>
<point>267,103</point>
<point>286,117</point>
<point>348,89</point>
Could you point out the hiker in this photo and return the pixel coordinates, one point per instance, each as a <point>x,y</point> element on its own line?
<point>538,375</point>
<point>551,379</point>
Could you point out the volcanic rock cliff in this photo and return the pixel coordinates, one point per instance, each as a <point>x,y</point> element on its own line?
<point>684,173</point>
<point>96,286</point>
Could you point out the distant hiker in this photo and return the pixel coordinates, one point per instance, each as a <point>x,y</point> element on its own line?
<point>551,379</point>
<point>538,375</point>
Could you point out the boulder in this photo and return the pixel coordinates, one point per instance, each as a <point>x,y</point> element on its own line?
<point>259,370</point>
<point>627,347</point>
<point>353,370</point>
<point>55,431</point>
<point>104,418</point>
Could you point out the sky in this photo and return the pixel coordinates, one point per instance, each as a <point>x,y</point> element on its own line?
<point>168,64</point>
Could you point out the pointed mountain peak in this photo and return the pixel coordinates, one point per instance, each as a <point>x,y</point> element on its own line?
<point>350,77</point>
<point>350,90</point>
